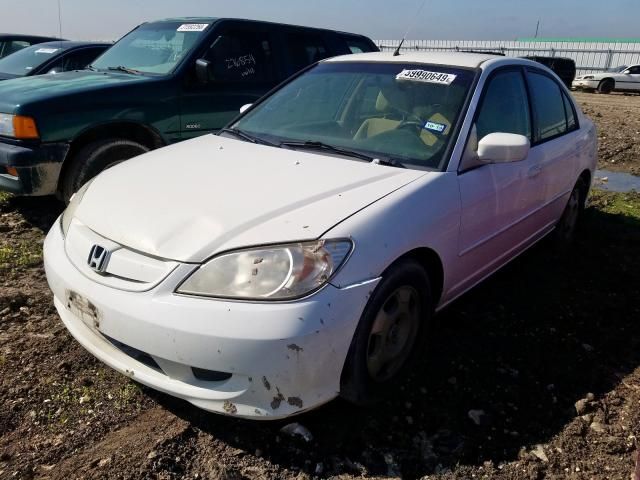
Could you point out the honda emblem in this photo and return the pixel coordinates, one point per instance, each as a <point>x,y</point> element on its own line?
<point>98,259</point>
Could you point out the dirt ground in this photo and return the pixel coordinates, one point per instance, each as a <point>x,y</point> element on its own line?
<point>545,356</point>
<point>617,117</point>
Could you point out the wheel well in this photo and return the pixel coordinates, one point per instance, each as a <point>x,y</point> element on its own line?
<point>124,130</point>
<point>585,176</point>
<point>607,78</point>
<point>431,262</point>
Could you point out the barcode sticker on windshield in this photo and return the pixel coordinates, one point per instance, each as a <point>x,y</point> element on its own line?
<point>426,76</point>
<point>47,50</point>
<point>192,27</point>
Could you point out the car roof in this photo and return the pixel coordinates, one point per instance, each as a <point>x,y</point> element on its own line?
<point>249,20</point>
<point>68,44</point>
<point>19,36</point>
<point>459,59</point>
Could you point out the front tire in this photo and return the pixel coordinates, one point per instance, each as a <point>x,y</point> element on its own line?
<point>392,328</point>
<point>93,159</point>
<point>606,86</point>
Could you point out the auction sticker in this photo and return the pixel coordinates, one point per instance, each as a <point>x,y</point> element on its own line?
<point>436,127</point>
<point>426,76</point>
<point>192,27</point>
<point>47,50</point>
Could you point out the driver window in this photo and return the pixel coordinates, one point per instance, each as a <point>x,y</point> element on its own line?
<point>505,108</point>
<point>242,56</point>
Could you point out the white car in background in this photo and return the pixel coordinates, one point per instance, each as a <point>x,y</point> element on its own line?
<point>302,252</point>
<point>619,79</point>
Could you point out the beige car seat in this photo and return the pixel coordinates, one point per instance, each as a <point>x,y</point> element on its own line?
<point>375,125</point>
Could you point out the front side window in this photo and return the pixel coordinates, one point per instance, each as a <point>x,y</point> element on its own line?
<point>242,56</point>
<point>357,45</point>
<point>548,105</point>
<point>153,48</point>
<point>505,108</point>
<point>398,111</point>
<point>27,59</point>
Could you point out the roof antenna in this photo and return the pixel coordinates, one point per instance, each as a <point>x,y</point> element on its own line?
<point>415,20</point>
<point>59,20</point>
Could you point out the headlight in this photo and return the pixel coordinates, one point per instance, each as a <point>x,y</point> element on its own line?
<point>587,77</point>
<point>269,273</point>
<point>70,211</point>
<point>18,126</point>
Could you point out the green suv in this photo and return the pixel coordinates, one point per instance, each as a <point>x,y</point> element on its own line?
<point>161,83</point>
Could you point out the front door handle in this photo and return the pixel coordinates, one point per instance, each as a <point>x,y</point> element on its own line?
<point>534,171</point>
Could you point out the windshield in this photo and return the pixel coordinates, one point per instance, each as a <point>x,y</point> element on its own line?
<point>621,68</point>
<point>24,61</point>
<point>154,48</point>
<point>389,111</point>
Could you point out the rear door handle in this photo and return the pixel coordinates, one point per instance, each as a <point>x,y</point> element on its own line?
<point>534,171</point>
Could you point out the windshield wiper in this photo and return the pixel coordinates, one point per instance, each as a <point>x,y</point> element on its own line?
<point>246,136</point>
<point>121,68</point>
<point>391,162</point>
<point>313,145</point>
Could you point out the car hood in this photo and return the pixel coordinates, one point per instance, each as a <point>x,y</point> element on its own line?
<point>20,91</point>
<point>190,201</point>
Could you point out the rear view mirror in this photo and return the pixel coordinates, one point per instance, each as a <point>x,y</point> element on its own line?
<point>204,71</point>
<point>246,107</point>
<point>503,147</point>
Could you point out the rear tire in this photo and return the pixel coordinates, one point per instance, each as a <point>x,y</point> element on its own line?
<point>568,223</point>
<point>93,159</point>
<point>606,86</point>
<point>391,331</point>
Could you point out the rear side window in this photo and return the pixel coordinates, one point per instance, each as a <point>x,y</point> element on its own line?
<point>242,56</point>
<point>569,112</point>
<point>305,49</point>
<point>549,106</point>
<point>505,107</point>
<point>357,45</point>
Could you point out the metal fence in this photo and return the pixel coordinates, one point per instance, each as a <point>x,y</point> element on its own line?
<point>589,56</point>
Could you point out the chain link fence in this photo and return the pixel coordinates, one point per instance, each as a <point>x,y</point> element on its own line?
<point>589,56</point>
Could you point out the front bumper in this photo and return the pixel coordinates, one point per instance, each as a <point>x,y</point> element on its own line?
<point>582,84</point>
<point>284,358</point>
<point>38,167</point>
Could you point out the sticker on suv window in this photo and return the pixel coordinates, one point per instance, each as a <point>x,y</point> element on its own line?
<point>192,27</point>
<point>426,76</point>
<point>47,50</point>
<point>436,127</point>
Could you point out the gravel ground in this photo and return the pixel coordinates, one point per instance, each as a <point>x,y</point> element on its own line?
<point>534,374</point>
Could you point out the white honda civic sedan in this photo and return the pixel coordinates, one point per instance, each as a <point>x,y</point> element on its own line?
<point>301,253</point>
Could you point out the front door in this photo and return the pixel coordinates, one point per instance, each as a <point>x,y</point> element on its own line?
<point>497,200</point>
<point>244,68</point>
<point>631,80</point>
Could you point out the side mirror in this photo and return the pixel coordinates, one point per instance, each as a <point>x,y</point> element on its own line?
<point>204,71</point>
<point>503,148</point>
<point>246,107</point>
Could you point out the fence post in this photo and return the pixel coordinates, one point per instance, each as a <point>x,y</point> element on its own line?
<point>609,59</point>
<point>553,52</point>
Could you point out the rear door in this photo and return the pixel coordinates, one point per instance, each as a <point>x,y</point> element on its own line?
<point>304,47</point>
<point>245,67</point>
<point>555,145</point>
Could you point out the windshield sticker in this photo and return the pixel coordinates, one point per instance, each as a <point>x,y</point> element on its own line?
<point>436,127</point>
<point>192,27</point>
<point>47,50</point>
<point>426,76</point>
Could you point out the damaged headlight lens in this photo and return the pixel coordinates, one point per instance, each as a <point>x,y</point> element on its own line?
<point>70,211</point>
<point>269,273</point>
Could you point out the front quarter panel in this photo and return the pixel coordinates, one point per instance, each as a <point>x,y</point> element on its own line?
<point>423,214</point>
